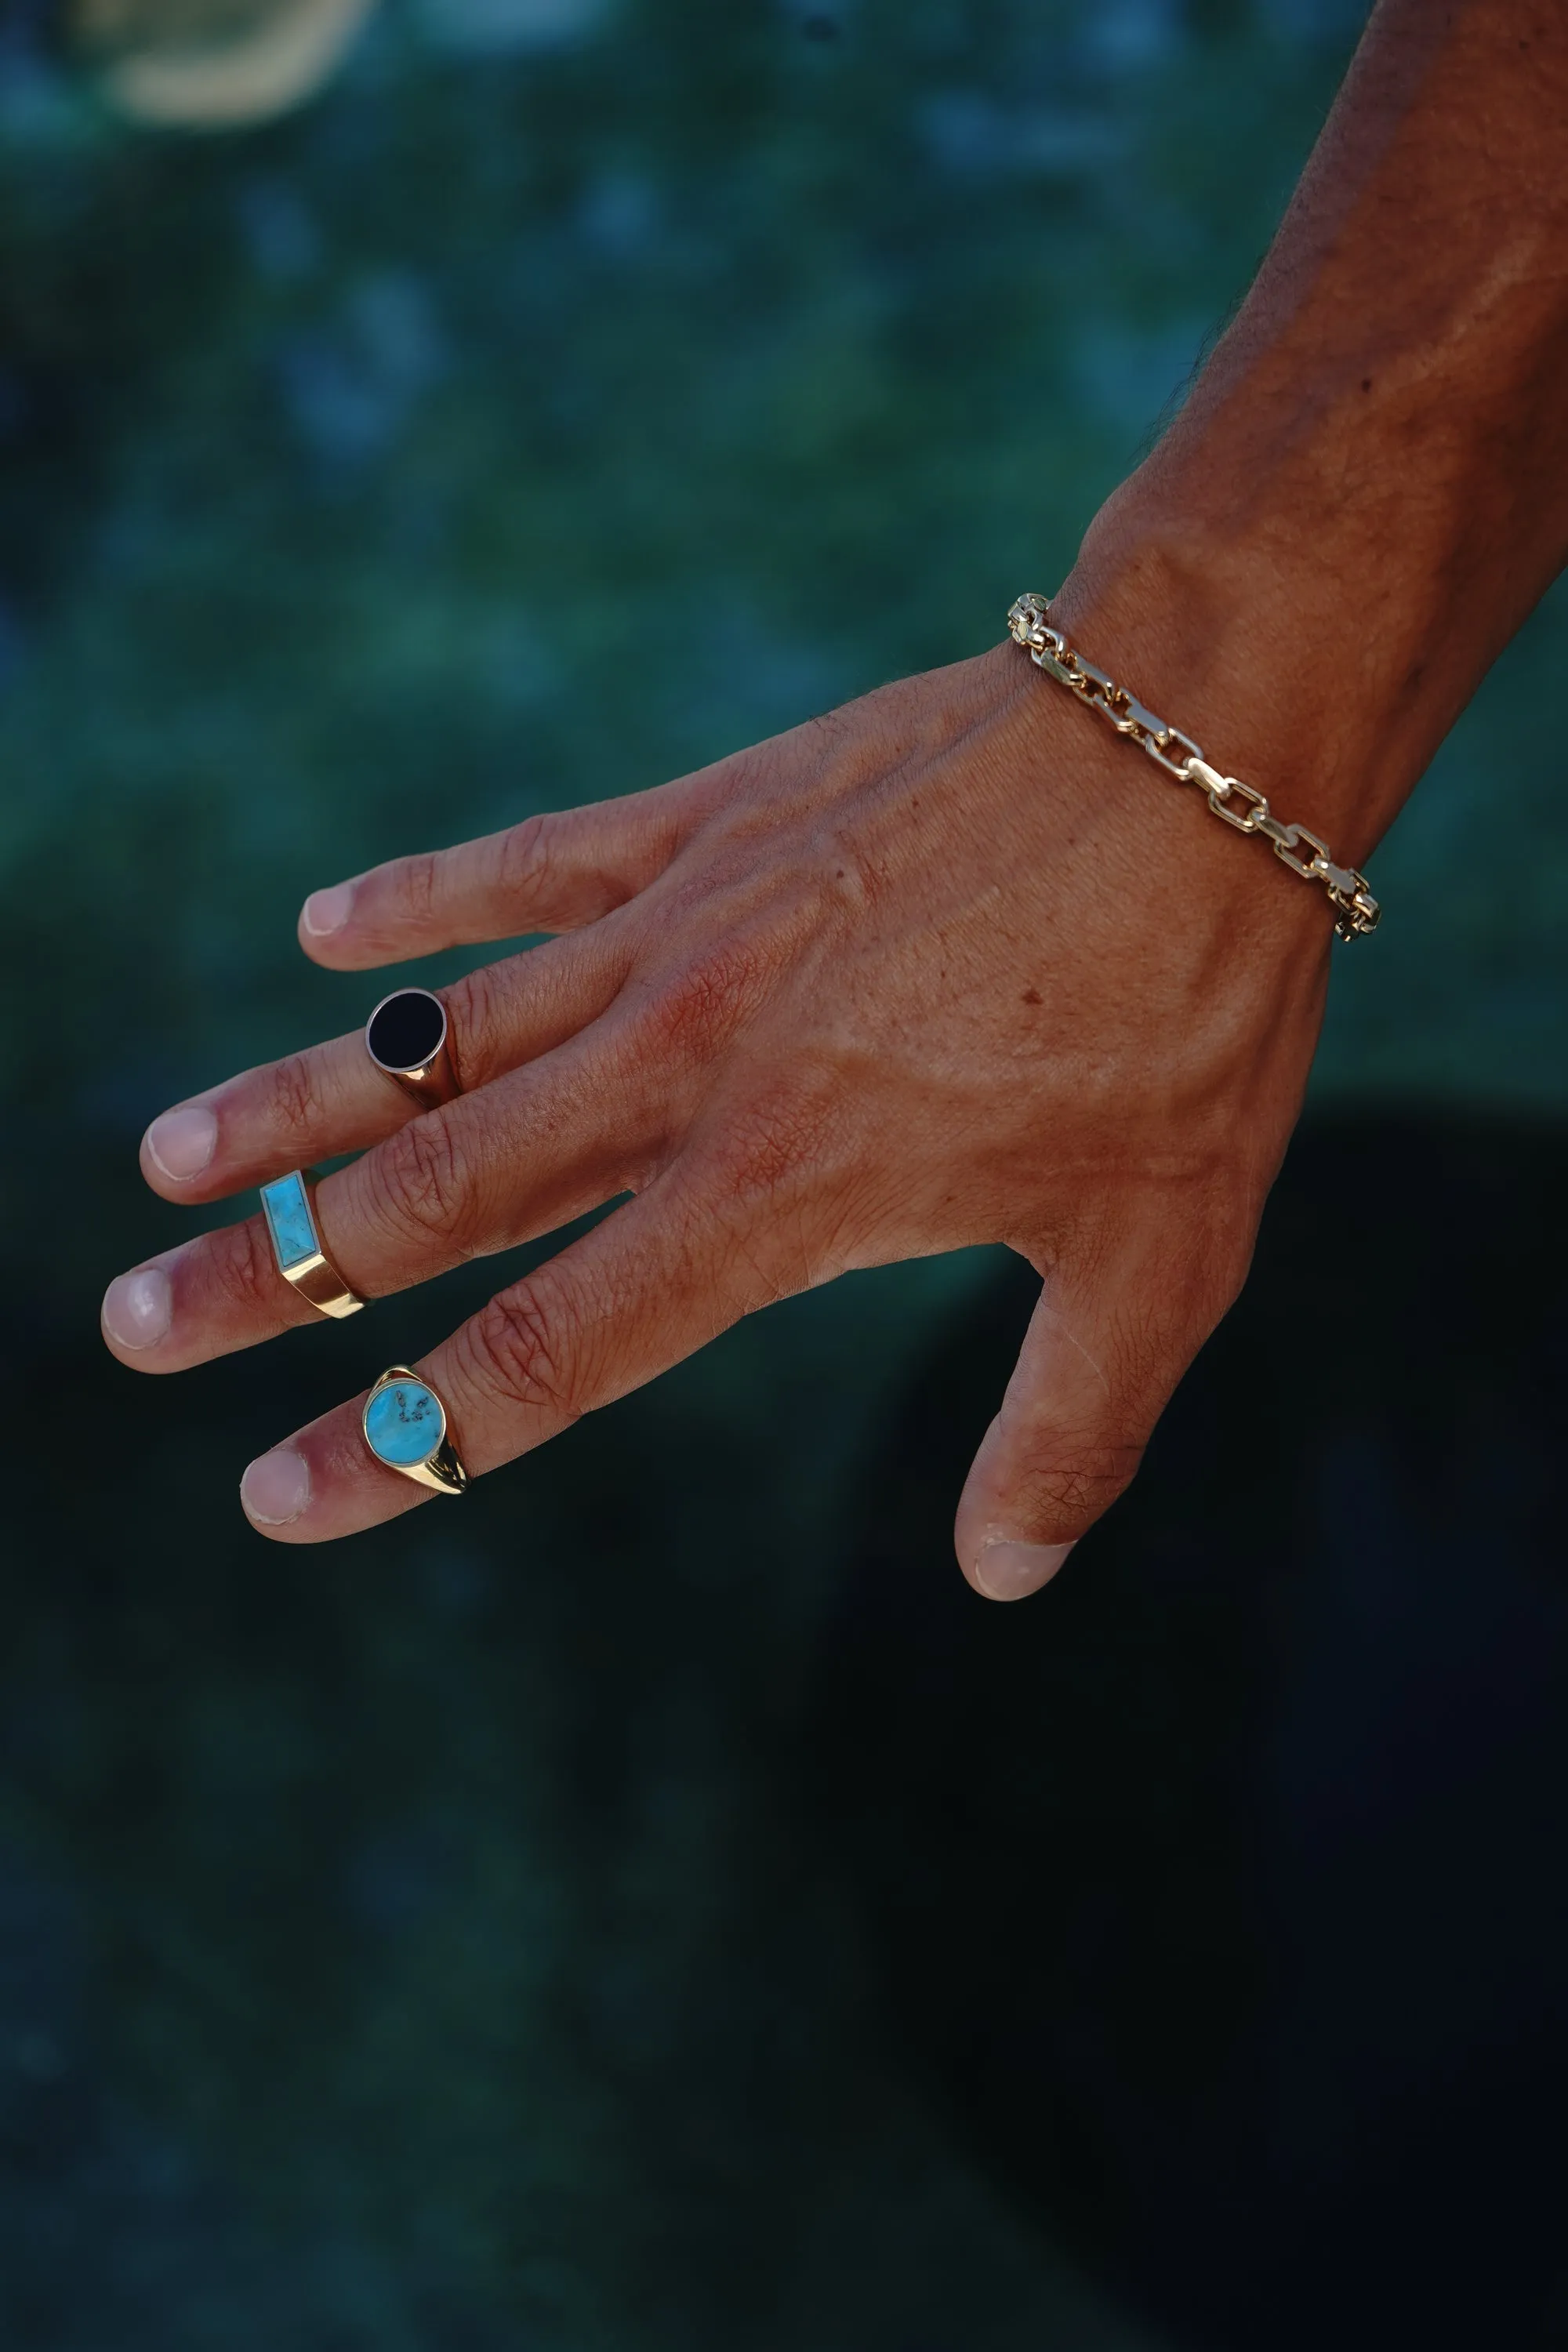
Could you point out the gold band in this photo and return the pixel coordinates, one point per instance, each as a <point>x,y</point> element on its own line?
<point>288,1205</point>
<point>406,1038</point>
<point>407,1429</point>
<point>1356,912</point>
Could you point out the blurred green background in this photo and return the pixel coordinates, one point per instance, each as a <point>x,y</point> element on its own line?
<point>435,1942</point>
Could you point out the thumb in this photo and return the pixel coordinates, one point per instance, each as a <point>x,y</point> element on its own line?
<point>1095,1373</point>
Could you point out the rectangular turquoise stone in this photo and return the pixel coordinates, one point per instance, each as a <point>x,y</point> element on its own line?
<point>289,1220</point>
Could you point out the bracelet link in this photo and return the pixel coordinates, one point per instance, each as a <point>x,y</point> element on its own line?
<point>1182,768</point>
<point>1239,806</point>
<point>1244,819</point>
<point>1272,829</point>
<point>1044,658</point>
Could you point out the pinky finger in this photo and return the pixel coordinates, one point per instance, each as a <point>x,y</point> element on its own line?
<point>645,1289</point>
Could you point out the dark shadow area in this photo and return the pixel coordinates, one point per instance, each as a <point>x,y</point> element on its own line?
<point>412,1945</point>
<point>1218,1889</point>
<point>535,1928</point>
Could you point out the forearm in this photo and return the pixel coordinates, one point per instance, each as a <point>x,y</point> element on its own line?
<point>1368,488</point>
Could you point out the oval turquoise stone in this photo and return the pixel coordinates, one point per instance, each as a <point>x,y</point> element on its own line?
<point>405,1424</point>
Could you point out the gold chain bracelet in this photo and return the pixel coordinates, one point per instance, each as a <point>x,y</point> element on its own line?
<point>1355,909</point>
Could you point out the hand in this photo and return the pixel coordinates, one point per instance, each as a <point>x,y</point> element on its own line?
<point>950,965</point>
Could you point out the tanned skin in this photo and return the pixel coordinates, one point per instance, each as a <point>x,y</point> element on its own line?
<point>951,965</point>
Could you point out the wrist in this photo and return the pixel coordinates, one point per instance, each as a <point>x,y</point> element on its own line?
<point>1263,654</point>
<point>1316,568</point>
<point>1152,821</point>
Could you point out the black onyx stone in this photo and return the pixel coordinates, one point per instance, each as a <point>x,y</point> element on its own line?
<point>406,1031</point>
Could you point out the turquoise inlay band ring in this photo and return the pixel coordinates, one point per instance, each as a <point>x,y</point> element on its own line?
<point>405,1427</point>
<point>288,1205</point>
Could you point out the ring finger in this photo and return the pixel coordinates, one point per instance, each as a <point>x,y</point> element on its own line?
<point>332,1098</point>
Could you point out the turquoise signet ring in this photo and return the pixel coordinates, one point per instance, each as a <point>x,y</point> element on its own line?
<point>407,1429</point>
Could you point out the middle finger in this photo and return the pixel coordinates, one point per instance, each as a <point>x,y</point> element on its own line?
<point>332,1098</point>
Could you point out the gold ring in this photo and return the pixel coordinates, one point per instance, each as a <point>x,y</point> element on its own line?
<point>290,1207</point>
<point>407,1428</point>
<point>405,1037</point>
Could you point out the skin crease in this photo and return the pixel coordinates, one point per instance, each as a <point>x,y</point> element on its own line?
<point>952,964</point>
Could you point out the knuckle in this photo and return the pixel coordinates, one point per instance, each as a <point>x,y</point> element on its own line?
<point>475,1028</point>
<point>757,1276</point>
<point>295,1102</point>
<point>694,1010</point>
<point>518,1350</point>
<point>246,1271</point>
<point>420,879</point>
<point>423,1182</point>
<point>754,773</point>
<point>763,1153</point>
<point>851,875</point>
<point>1079,1477</point>
<point>529,858</point>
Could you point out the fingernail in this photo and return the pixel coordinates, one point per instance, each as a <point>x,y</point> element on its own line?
<point>328,910</point>
<point>275,1488</point>
<point>181,1143</point>
<point>138,1307</point>
<point>1008,1572</point>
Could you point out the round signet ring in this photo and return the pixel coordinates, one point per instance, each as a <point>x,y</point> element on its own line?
<point>405,1427</point>
<point>405,1036</point>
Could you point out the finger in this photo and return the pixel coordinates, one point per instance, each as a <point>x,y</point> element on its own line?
<point>537,1148</point>
<point>332,1099</point>
<point>645,1288</point>
<point>1098,1363</point>
<point>555,872</point>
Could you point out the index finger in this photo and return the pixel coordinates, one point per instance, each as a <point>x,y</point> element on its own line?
<point>554,872</point>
